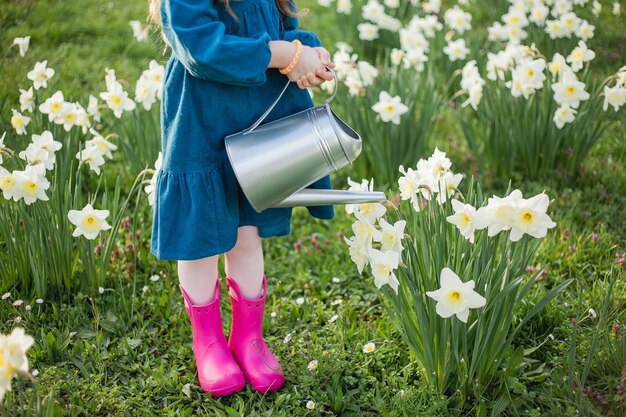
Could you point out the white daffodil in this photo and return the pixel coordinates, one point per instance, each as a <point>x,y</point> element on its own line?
<point>570,22</point>
<point>555,29</point>
<point>585,31</point>
<point>23,44</point>
<point>580,55</point>
<point>88,221</point>
<point>530,218</point>
<point>389,108</point>
<point>27,100</point>
<point>411,40</point>
<point>515,18</point>
<point>30,185</point>
<point>455,297</point>
<point>596,8</point>
<point>614,96</point>
<point>19,122</point>
<point>432,6</point>
<point>447,185</point>
<point>53,106</point>
<point>475,95</point>
<point>92,157</point>
<point>2,147</point>
<point>530,73</point>
<point>364,185</point>
<point>389,23</point>
<point>498,214</point>
<point>354,85</point>
<point>117,99</point>
<point>140,32</point>
<point>46,141</point>
<point>104,146</point>
<point>396,56</point>
<point>109,78</point>
<point>539,13</point>
<point>437,165</point>
<point>7,183</point>
<point>458,20</point>
<point>427,25</point>
<point>563,115</point>
<point>415,59</point>
<point>68,117</point>
<point>569,91</point>
<point>456,50</point>
<point>383,264</point>
<point>367,31</point>
<point>82,118</point>
<point>515,35</point>
<point>145,92</point>
<point>558,65</point>
<point>392,4</point>
<point>370,211</point>
<point>409,185</point>
<point>497,32</point>
<point>365,231</point>
<point>391,235</point>
<point>373,11</point>
<point>367,72</point>
<point>463,219</point>
<point>40,75</point>
<point>151,187</point>
<point>156,73</point>
<point>39,158</point>
<point>93,109</point>
<point>470,76</point>
<point>13,357</point>
<point>344,6</point>
<point>359,252</point>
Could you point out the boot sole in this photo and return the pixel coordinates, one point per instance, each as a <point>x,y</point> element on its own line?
<point>269,388</point>
<point>222,392</point>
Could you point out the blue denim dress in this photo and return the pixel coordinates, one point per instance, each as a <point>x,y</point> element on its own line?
<point>217,83</point>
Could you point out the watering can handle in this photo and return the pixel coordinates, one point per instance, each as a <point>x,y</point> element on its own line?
<point>264,115</point>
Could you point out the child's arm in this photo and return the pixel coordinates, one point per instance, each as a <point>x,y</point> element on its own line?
<point>199,42</point>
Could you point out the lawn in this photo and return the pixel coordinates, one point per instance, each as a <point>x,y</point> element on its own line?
<point>114,339</point>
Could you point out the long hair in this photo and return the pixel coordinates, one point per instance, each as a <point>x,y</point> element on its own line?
<point>154,9</point>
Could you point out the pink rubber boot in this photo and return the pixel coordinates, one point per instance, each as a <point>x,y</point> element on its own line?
<point>218,372</point>
<point>257,362</point>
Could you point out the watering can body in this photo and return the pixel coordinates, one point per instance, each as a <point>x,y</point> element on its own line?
<point>273,162</point>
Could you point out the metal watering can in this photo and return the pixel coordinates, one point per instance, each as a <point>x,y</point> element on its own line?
<point>274,162</point>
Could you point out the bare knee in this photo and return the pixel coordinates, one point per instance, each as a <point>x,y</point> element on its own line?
<point>248,240</point>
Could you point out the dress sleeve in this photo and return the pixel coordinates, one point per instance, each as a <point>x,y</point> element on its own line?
<point>199,42</point>
<point>290,30</point>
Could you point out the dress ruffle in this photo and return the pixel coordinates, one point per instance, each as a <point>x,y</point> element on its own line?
<point>201,212</point>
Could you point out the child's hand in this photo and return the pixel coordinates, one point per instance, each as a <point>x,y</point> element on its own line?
<point>324,56</point>
<point>310,69</point>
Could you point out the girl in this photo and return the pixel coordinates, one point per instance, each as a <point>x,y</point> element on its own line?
<point>230,59</point>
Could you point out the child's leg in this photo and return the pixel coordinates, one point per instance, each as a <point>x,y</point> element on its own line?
<point>198,279</point>
<point>244,262</point>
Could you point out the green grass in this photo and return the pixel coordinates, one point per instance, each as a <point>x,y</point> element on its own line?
<point>128,351</point>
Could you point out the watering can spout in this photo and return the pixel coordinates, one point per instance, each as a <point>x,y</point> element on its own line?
<point>314,197</point>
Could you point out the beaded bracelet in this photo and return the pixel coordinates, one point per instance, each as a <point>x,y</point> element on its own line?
<point>295,59</point>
